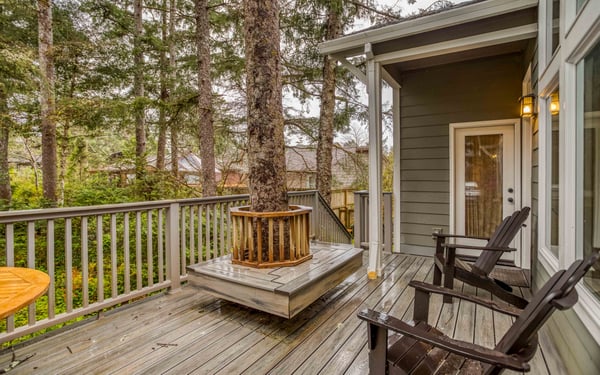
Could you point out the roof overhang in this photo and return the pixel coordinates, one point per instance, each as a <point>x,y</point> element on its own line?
<point>353,44</point>
<point>474,30</point>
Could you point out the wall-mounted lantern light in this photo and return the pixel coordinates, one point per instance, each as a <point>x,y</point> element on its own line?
<point>527,105</point>
<point>554,104</point>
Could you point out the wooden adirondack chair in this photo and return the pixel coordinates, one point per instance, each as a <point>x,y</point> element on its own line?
<point>424,350</point>
<point>477,274</point>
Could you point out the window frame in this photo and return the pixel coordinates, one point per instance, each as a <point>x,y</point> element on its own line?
<point>576,41</point>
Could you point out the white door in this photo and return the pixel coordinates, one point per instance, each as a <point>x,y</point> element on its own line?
<point>486,180</point>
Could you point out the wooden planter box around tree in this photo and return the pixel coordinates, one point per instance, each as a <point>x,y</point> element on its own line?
<point>271,239</point>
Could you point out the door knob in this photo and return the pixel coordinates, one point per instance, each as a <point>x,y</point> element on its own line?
<point>511,200</point>
<point>510,190</point>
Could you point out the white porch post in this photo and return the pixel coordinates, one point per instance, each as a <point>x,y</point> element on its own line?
<point>375,187</point>
<point>396,153</point>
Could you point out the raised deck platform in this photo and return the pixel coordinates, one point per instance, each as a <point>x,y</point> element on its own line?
<point>282,291</point>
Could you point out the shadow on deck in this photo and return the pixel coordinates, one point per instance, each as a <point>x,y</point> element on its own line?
<point>193,332</point>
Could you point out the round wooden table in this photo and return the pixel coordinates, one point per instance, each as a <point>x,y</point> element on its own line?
<point>19,287</point>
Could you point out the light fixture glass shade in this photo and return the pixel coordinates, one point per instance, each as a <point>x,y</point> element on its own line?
<point>527,105</point>
<point>554,104</point>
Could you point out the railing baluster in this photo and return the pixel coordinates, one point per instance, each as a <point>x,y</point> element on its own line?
<point>222,231</point>
<point>84,262</point>
<point>138,250</point>
<point>192,233</point>
<point>207,234</point>
<point>31,264</point>
<point>215,234</point>
<point>68,265</point>
<point>100,258</point>
<point>10,262</point>
<point>182,240</point>
<point>201,255</point>
<point>126,254</point>
<point>50,267</point>
<point>113,256</point>
<point>149,257</point>
<point>160,245</point>
<point>228,231</point>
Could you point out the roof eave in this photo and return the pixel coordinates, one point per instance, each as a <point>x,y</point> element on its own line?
<point>353,44</point>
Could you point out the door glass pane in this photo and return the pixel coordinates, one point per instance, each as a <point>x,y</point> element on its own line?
<point>483,184</point>
<point>591,163</point>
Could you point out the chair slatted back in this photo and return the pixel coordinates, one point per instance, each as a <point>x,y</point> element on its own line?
<point>557,293</point>
<point>502,237</point>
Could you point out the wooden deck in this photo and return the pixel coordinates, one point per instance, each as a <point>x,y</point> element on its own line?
<point>193,332</point>
<point>282,291</point>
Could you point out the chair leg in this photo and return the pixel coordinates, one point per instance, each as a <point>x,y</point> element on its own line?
<point>448,283</point>
<point>377,349</point>
<point>437,271</point>
<point>437,276</point>
<point>449,269</point>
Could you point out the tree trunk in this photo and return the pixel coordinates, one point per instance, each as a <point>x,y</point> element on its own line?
<point>206,131</point>
<point>266,156</point>
<point>45,42</point>
<point>138,92</point>
<point>172,68</point>
<point>161,144</point>
<point>325,142</point>
<point>5,191</point>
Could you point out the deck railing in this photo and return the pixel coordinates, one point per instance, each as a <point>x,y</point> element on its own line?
<point>361,219</point>
<point>101,256</point>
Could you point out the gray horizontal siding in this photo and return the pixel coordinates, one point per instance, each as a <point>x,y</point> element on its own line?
<point>428,175</point>
<point>431,99</point>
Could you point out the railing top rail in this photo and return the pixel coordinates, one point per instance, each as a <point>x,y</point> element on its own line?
<point>8,217</point>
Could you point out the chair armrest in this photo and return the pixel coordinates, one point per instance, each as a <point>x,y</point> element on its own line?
<point>462,348</point>
<point>429,288</point>
<point>448,235</point>
<point>475,247</point>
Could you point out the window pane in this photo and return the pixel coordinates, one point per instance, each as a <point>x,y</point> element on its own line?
<point>579,4</point>
<point>591,162</point>
<point>555,24</point>
<point>554,191</point>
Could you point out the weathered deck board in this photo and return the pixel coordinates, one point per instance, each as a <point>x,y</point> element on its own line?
<point>193,332</point>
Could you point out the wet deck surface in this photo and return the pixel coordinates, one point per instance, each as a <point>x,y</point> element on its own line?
<point>193,332</point>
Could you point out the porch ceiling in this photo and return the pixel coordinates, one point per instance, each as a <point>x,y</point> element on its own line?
<point>395,69</point>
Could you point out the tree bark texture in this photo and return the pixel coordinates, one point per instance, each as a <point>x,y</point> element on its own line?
<point>172,68</point>
<point>326,122</point>
<point>161,143</point>
<point>5,191</point>
<point>266,156</point>
<point>47,101</point>
<point>138,92</point>
<point>206,132</point>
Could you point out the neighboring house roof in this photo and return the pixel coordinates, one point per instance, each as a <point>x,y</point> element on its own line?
<point>304,158</point>
<point>345,162</point>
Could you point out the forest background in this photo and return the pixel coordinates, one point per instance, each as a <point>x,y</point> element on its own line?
<point>90,85</point>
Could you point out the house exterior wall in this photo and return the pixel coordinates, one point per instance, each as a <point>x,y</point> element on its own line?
<point>431,99</point>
